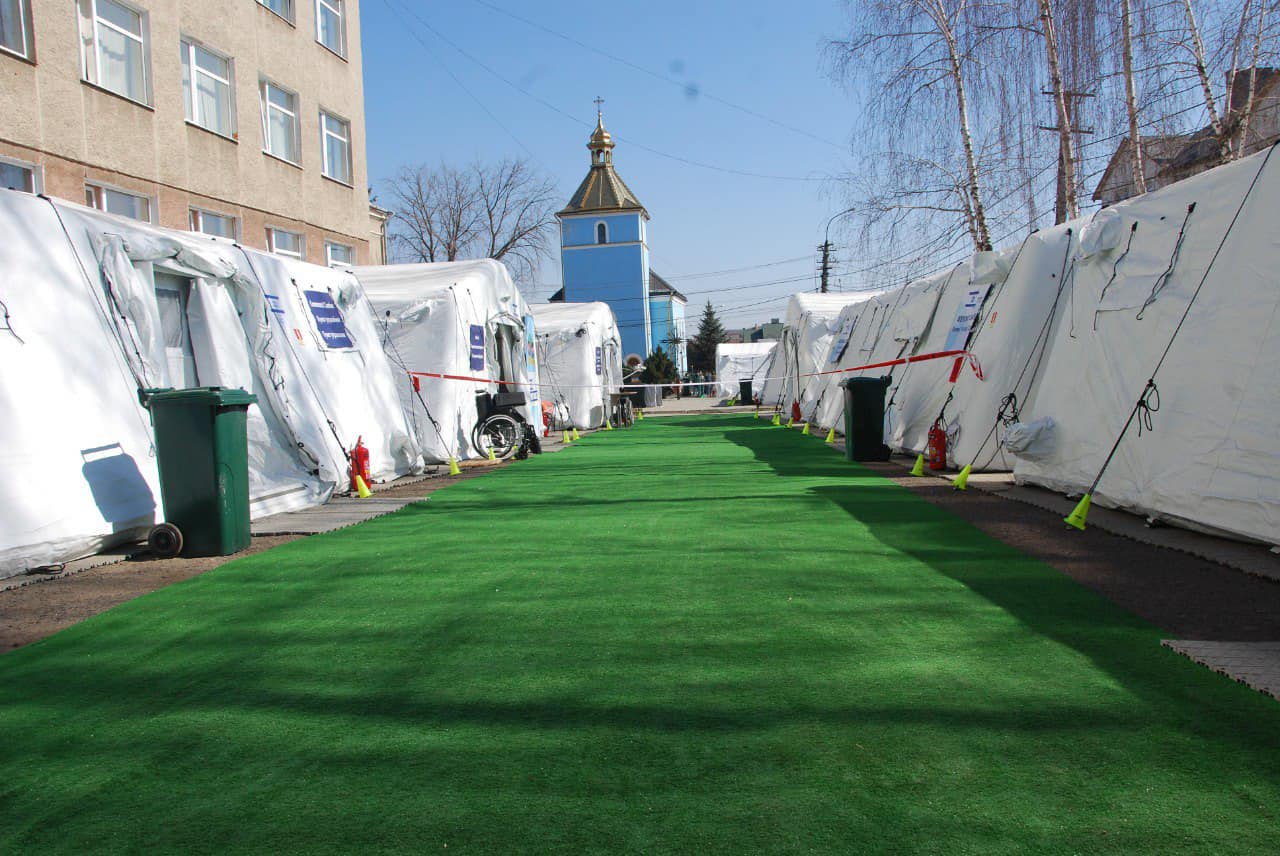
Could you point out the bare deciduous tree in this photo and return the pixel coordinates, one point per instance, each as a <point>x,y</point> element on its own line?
<point>503,211</point>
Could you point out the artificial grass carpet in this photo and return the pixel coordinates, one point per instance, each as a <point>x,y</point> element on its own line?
<point>697,635</point>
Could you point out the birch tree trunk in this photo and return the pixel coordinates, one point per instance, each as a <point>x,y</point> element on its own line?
<point>1131,98</point>
<point>1246,112</point>
<point>1067,156</point>
<point>1202,70</point>
<point>978,221</point>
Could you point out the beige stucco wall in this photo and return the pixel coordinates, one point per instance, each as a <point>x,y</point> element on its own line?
<point>78,132</point>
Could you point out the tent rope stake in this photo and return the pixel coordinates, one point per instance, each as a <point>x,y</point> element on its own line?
<point>1143,407</point>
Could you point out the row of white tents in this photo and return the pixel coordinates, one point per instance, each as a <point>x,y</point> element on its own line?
<point>1065,330</point>
<point>95,308</point>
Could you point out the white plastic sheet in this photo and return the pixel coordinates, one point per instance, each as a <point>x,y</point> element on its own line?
<point>739,361</point>
<point>464,319</point>
<point>579,359</point>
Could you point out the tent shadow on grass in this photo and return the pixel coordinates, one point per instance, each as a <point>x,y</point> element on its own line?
<point>1044,600</point>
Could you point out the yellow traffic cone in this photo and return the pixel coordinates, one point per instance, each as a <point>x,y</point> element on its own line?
<point>492,456</point>
<point>918,469</point>
<point>576,435</point>
<point>1077,517</point>
<point>453,467</point>
<point>608,426</point>
<point>805,430</point>
<point>831,437</point>
<point>567,439</point>
<point>639,415</point>
<point>791,423</point>
<point>776,421</point>
<point>362,489</point>
<point>962,479</point>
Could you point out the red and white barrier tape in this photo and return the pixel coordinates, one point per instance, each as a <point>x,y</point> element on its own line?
<point>961,357</point>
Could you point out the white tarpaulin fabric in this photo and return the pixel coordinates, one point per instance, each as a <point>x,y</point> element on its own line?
<point>165,309</point>
<point>464,319</point>
<point>739,361</point>
<point>805,347</point>
<point>579,359</point>
<point>1211,457</point>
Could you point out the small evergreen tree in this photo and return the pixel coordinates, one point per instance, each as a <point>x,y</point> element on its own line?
<point>658,368</point>
<point>702,350</point>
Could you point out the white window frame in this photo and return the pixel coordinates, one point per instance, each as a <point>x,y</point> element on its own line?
<point>339,8</point>
<point>595,233</point>
<point>325,133</point>
<point>330,246</point>
<point>264,95</point>
<point>90,9</point>
<point>99,202</point>
<point>290,18</point>
<point>301,255</point>
<point>189,46</point>
<point>196,216</point>
<point>28,36</point>
<point>37,172</point>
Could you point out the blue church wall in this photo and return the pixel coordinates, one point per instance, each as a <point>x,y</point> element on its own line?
<point>616,275</point>
<point>667,321</point>
<point>581,231</point>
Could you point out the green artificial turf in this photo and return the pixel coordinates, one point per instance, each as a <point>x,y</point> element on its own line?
<point>698,635</point>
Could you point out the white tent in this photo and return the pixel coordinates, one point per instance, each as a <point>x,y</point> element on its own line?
<point>862,326</point>
<point>579,359</point>
<point>466,320</point>
<point>805,348</point>
<point>739,361</point>
<point>107,307</point>
<point>1211,456</point>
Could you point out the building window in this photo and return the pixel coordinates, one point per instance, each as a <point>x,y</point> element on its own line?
<point>207,87</point>
<point>114,48</point>
<point>602,233</point>
<point>19,175</point>
<point>335,144</point>
<point>209,223</point>
<point>283,8</point>
<point>15,27</point>
<point>280,132</point>
<point>338,254</point>
<point>284,243</point>
<point>115,201</point>
<point>331,25</point>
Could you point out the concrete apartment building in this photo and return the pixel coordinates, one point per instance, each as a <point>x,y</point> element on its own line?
<point>239,118</point>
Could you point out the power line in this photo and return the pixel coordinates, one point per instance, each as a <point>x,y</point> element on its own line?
<point>658,75</point>
<point>566,114</point>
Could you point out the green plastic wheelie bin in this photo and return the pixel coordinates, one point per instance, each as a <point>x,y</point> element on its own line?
<point>864,418</point>
<point>203,454</point>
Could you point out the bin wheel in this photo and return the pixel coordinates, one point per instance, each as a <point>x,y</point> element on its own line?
<point>165,540</point>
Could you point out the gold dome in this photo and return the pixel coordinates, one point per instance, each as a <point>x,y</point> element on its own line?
<point>601,138</point>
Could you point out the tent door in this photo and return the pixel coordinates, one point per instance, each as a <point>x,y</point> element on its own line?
<point>505,343</point>
<point>172,293</point>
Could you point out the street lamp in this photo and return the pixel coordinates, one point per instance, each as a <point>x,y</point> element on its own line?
<point>825,249</point>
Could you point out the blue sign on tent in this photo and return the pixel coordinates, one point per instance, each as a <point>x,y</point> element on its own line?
<point>477,348</point>
<point>598,361</point>
<point>333,332</point>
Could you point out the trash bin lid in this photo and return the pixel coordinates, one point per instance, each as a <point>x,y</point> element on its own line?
<point>884,380</point>
<point>210,396</point>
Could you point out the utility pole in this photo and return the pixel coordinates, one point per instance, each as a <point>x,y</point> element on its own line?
<point>825,268</point>
<point>1067,204</point>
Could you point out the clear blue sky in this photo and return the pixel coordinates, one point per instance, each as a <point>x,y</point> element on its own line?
<point>759,54</point>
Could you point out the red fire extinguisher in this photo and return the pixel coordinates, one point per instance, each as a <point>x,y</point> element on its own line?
<point>938,446</point>
<point>796,416</point>
<point>359,462</point>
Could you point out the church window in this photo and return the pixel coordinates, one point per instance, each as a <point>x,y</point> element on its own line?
<point>602,233</point>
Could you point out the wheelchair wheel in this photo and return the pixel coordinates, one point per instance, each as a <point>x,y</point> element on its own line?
<point>500,432</point>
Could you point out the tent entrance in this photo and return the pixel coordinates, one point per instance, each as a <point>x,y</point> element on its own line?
<point>506,341</point>
<point>173,293</point>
